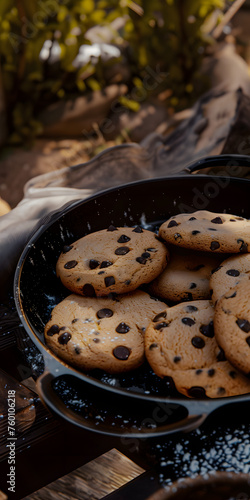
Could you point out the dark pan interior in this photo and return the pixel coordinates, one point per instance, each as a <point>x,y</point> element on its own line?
<point>146,203</point>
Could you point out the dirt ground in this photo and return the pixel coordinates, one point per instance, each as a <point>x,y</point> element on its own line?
<point>18,165</point>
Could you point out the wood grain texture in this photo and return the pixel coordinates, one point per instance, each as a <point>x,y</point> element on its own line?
<point>25,412</point>
<point>92,481</point>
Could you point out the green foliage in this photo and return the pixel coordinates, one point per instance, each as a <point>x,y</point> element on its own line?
<point>164,42</point>
<point>171,35</point>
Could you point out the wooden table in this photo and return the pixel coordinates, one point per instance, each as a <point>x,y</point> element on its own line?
<point>60,460</point>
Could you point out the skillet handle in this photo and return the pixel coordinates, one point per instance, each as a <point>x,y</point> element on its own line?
<point>233,160</point>
<point>49,397</point>
<point>54,403</point>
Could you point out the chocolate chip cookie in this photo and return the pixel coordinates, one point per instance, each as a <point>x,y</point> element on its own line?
<point>228,274</point>
<point>208,231</point>
<point>180,343</point>
<point>111,260</point>
<point>232,325</point>
<point>186,276</point>
<point>101,332</point>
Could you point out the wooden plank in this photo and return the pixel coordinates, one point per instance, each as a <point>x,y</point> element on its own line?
<point>92,481</point>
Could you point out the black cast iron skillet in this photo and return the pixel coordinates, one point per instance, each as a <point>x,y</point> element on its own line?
<point>37,291</point>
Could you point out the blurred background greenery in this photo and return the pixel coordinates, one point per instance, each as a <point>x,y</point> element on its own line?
<point>44,57</point>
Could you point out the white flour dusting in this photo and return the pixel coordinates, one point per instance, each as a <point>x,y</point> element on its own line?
<point>229,452</point>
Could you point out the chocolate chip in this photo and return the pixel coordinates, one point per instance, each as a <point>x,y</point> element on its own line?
<point>74,320</point>
<point>233,272</point>
<point>137,229</point>
<point>77,350</point>
<point>123,239</point>
<point>248,341</point>
<point>216,269</point>
<point>208,330</point>
<point>113,296</point>
<point>177,236</point>
<point>70,264</point>
<point>141,260</point>
<point>221,355</point>
<point>67,248</point>
<point>159,326</point>
<point>96,340</point>
<point>127,282</point>
<point>191,308</point>
<point>151,249</point>
<point>197,392</point>
<point>211,229</point>
<point>243,247</point>
<point>188,298</point>
<point>243,324</point>
<point>93,264</point>
<point>221,391</point>
<point>192,285</point>
<point>197,268</point>
<point>199,371</point>
<point>104,313</point>
<point>211,372</point>
<point>88,290</point>
<point>214,245</point>
<point>105,263</point>
<point>112,228</point>
<point>122,328</point>
<point>217,220</point>
<point>159,316</point>
<point>231,296</point>
<point>177,359</point>
<point>64,338</point>
<point>198,342</point>
<point>188,321</point>
<point>195,232</point>
<point>53,330</point>
<point>232,220</point>
<point>192,218</point>
<point>78,279</point>
<point>145,255</point>
<point>172,223</point>
<point>109,281</point>
<point>153,346</point>
<point>122,250</point>
<point>121,352</point>
<point>232,374</point>
<point>101,272</point>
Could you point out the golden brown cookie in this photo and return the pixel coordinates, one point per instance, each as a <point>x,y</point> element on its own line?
<point>186,276</point>
<point>228,274</point>
<point>181,344</point>
<point>208,231</point>
<point>232,325</point>
<point>89,333</point>
<point>112,260</point>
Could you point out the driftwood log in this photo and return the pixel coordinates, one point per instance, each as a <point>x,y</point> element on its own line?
<point>218,123</point>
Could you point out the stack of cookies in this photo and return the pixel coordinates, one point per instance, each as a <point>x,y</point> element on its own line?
<point>193,325</point>
<point>102,324</point>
